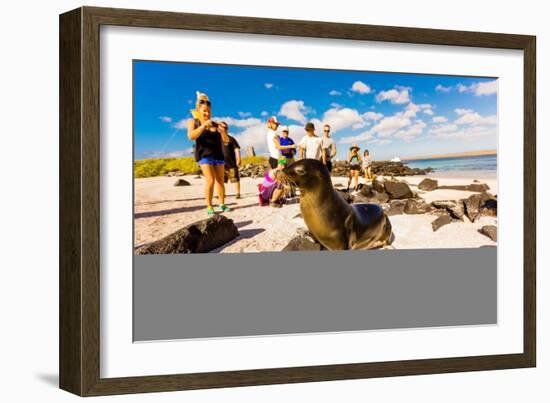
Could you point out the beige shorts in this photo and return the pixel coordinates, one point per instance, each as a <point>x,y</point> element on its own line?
<point>232,174</point>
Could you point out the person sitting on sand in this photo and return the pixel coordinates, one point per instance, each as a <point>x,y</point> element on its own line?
<point>354,160</point>
<point>272,190</point>
<point>209,141</point>
<point>311,145</point>
<point>274,142</point>
<point>329,147</point>
<point>366,165</point>
<point>232,158</point>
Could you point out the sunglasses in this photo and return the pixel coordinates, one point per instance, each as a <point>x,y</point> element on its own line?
<point>202,102</point>
<point>326,131</point>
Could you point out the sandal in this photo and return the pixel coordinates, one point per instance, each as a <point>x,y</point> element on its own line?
<point>210,210</point>
<point>224,208</point>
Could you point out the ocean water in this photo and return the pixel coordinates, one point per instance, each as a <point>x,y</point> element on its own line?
<point>485,165</point>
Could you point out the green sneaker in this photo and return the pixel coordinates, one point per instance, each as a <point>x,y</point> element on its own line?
<point>210,211</point>
<point>224,208</point>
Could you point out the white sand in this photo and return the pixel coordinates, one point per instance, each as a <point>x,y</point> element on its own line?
<point>161,208</point>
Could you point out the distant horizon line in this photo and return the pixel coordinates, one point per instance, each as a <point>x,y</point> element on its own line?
<point>477,153</point>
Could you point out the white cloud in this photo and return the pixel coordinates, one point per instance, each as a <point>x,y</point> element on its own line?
<point>479,89</point>
<point>295,110</point>
<point>365,136</point>
<point>439,119</point>
<point>380,142</point>
<point>248,122</point>
<point>335,105</point>
<point>441,88</point>
<point>443,129</point>
<point>389,125</point>
<point>398,125</point>
<point>264,113</point>
<point>412,131</point>
<point>395,96</point>
<point>372,116</point>
<point>181,124</point>
<point>166,119</point>
<point>170,154</point>
<point>244,114</point>
<point>475,119</point>
<point>468,126</point>
<point>268,85</point>
<point>462,111</point>
<point>461,88</point>
<point>361,87</point>
<point>470,117</point>
<point>334,93</point>
<point>467,133</point>
<point>341,118</point>
<point>412,109</point>
<point>486,88</point>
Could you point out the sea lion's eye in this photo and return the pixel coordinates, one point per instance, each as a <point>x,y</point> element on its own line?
<point>300,170</point>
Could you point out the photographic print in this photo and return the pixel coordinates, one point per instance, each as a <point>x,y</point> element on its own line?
<point>241,159</point>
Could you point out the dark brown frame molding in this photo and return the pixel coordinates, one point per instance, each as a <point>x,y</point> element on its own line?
<point>79,321</point>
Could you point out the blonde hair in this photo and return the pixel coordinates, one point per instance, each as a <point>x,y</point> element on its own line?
<point>201,96</point>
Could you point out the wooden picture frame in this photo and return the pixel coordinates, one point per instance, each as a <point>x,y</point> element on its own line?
<point>79,347</point>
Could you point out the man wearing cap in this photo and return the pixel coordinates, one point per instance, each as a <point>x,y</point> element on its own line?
<point>311,145</point>
<point>285,140</point>
<point>273,142</point>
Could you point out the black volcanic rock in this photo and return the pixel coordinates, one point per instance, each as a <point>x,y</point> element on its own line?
<point>416,206</point>
<point>199,237</point>
<point>440,221</point>
<point>456,208</point>
<point>489,231</point>
<point>398,190</point>
<point>181,182</point>
<point>428,184</point>
<point>395,207</point>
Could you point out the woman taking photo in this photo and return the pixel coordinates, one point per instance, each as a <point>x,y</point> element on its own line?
<point>354,160</point>
<point>208,151</point>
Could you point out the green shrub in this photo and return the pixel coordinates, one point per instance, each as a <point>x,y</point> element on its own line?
<point>186,165</point>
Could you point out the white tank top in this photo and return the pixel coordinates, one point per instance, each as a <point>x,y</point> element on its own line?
<point>273,151</point>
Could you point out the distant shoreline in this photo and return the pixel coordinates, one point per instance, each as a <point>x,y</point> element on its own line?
<point>464,154</point>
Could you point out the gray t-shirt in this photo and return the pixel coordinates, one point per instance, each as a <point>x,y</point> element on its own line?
<point>327,143</point>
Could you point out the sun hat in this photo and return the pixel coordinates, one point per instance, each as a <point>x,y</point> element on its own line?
<point>354,146</point>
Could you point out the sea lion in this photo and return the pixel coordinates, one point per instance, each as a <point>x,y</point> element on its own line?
<point>336,224</point>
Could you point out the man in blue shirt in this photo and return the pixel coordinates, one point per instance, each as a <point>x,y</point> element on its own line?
<point>287,141</point>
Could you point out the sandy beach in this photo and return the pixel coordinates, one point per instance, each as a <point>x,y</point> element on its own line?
<point>162,208</point>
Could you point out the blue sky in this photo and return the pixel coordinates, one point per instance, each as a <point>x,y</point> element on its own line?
<point>391,114</point>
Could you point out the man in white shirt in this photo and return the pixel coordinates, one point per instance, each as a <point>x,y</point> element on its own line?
<point>329,147</point>
<point>311,145</point>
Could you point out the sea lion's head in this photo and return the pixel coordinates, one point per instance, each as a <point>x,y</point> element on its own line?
<point>308,174</point>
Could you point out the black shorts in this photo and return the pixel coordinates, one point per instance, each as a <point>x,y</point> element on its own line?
<point>273,163</point>
<point>355,167</point>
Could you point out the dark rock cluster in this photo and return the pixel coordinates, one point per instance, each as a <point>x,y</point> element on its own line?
<point>396,197</point>
<point>253,170</point>
<point>384,168</point>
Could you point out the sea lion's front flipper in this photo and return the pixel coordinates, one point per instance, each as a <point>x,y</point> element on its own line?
<point>368,226</point>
